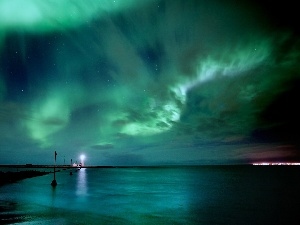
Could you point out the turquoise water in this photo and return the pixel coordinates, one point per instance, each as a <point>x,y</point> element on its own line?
<point>161,195</point>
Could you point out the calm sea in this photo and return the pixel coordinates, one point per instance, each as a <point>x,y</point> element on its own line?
<point>157,195</point>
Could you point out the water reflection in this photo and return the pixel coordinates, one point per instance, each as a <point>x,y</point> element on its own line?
<point>53,196</point>
<point>81,187</point>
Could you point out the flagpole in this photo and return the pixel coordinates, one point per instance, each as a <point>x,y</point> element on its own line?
<point>54,164</point>
<point>54,183</point>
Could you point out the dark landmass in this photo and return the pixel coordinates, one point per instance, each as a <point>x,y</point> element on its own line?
<point>52,166</point>
<point>34,166</point>
<point>12,177</point>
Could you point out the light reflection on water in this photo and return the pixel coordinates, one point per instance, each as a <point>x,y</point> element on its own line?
<point>81,186</point>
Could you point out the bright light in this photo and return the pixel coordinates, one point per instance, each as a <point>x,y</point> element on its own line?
<point>82,157</point>
<point>277,164</point>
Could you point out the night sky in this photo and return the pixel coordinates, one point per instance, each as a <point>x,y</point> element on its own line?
<point>130,82</point>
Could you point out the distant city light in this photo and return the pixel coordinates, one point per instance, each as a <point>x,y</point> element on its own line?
<point>275,164</point>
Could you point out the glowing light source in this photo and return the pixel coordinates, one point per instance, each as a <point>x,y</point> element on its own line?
<point>82,157</point>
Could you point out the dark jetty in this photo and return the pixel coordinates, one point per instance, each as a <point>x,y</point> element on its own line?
<point>12,177</point>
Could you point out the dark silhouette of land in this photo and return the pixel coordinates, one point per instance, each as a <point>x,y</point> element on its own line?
<point>28,171</point>
<point>32,166</point>
<point>12,177</point>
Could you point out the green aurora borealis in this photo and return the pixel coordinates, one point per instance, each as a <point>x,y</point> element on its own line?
<point>131,82</point>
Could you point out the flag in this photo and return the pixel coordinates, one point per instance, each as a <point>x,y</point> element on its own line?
<point>55,155</point>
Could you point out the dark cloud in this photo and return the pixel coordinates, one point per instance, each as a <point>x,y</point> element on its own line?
<point>102,146</point>
<point>124,159</point>
<point>280,120</point>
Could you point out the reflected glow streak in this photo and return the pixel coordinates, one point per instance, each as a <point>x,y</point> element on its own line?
<point>81,183</point>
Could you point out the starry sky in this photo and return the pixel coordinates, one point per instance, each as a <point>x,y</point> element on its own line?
<point>152,82</point>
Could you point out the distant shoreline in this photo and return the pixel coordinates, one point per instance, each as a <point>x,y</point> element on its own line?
<point>34,166</point>
<point>52,166</point>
